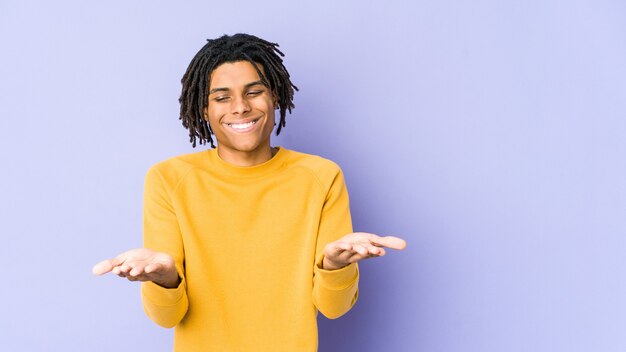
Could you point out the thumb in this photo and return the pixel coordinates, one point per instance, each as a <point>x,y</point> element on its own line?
<point>105,266</point>
<point>389,242</point>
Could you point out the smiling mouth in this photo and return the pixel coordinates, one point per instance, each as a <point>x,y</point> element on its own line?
<point>242,126</point>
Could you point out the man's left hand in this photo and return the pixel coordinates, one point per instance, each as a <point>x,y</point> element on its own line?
<point>358,246</point>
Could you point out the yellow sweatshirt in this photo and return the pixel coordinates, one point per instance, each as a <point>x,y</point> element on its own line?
<point>247,243</point>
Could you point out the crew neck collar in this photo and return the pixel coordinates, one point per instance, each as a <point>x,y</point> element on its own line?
<point>269,166</point>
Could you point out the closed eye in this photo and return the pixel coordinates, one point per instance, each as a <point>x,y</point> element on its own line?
<point>221,99</point>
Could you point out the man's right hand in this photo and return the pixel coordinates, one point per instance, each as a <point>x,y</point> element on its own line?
<point>141,264</point>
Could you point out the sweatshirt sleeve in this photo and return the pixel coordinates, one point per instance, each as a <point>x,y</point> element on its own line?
<point>334,291</point>
<point>164,306</point>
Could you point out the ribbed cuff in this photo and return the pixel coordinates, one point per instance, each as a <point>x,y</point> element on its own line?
<point>161,296</point>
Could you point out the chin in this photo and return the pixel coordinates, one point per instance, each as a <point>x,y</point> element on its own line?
<point>246,147</point>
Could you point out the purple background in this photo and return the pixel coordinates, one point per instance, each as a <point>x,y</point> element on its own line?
<point>489,134</point>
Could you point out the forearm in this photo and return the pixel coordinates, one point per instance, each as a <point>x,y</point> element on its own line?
<point>165,306</point>
<point>335,291</point>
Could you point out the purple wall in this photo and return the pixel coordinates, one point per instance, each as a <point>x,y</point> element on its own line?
<point>489,134</point>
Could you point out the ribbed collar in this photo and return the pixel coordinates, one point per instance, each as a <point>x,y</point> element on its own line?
<point>275,163</point>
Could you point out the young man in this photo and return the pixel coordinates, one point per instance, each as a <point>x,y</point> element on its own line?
<point>246,242</point>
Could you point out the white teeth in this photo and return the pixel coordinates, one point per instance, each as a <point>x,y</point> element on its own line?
<point>241,126</point>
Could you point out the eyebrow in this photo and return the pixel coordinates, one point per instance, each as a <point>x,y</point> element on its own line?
<point>215,90</point>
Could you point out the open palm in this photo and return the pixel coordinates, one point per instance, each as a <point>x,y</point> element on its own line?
<point>141,264</point>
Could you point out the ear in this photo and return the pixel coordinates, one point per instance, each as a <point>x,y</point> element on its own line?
<point>205,113</point>
<point>275,101</point>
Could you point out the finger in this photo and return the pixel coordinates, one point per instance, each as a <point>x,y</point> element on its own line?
<point>335,249</point>
<point>346,255</point>
<point>339,257</point>
<point>153,268</point>
<point>125,268</point>
<point>341,246</point>
<point>388,241</point>
<point>150,268</point>
<point>355,257</point>
<point>137,270</point>
<point>104,266</point>
<point>119,272</point>
<point>361,250</point>
<point>376,251</point>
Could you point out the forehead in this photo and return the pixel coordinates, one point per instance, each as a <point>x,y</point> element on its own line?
<point>234,74</point>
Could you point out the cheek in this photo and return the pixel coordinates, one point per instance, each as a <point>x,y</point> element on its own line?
<point>212,115</point>
<point>271,110</point>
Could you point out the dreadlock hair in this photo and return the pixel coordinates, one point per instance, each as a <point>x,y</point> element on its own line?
<point>238,47</point>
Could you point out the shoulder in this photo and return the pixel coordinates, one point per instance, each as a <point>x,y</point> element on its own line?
<point>173,169</point>
<point>325,170</point>
<point>312,162</point>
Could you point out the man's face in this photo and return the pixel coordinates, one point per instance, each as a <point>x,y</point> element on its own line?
<point>240,110</point>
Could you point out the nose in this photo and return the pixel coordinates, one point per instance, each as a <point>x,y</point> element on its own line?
<point>240,106</point>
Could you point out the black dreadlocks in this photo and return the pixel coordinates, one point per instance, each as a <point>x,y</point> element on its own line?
<point>239,47</point>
